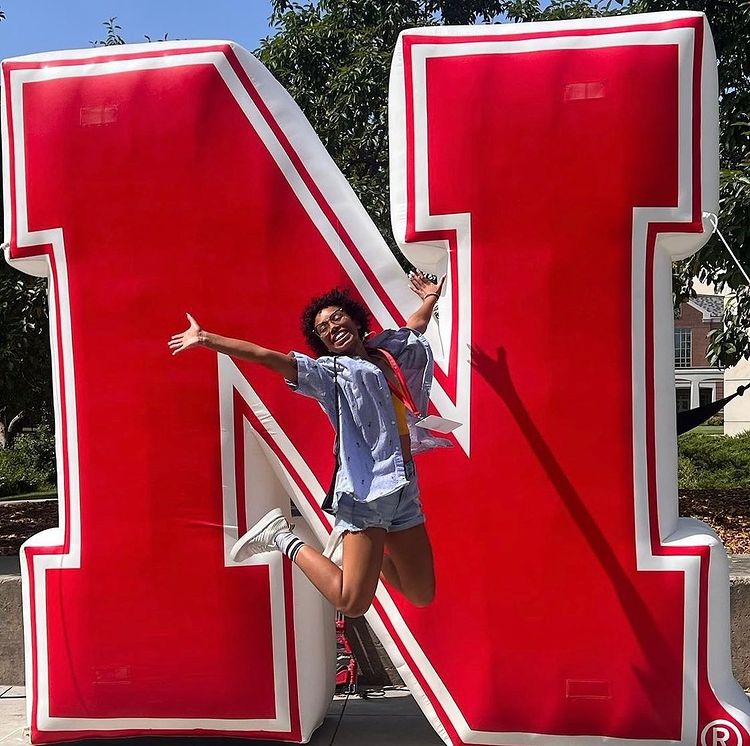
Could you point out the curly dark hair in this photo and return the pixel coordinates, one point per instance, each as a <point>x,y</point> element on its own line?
<point>339,298</point>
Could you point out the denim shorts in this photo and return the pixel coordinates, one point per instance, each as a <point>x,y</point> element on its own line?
<point>395,512</point>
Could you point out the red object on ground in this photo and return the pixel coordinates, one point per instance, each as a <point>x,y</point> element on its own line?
<point>346,663</point>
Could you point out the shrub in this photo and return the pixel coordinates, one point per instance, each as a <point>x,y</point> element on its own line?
<point>29,465</point>
<point>711,462</point>
<point>13,479</point>
<point>36,452</point>
<point>687,477</point>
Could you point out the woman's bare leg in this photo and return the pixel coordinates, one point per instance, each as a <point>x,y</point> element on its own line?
<point>352,589</point>
<point>408,564</point>
<point>389,573</point>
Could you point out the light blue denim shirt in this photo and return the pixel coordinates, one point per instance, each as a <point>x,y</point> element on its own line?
<point>372,464</point>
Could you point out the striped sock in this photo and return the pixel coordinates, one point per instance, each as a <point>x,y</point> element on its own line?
<point>288,544</point>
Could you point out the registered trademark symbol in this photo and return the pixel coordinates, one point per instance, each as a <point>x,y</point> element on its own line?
<point>721,733</point>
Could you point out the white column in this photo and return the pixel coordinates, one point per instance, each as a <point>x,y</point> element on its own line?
<point>737,412</point>
<point>694,395</point>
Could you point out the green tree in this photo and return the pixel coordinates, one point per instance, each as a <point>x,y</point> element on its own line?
<point>25,370</point>
<point>333,56</point>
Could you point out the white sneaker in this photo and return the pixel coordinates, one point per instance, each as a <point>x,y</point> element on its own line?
<point>260,538</point>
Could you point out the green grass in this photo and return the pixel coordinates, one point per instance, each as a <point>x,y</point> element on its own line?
<point>30,496</point>
<point>709,430</point>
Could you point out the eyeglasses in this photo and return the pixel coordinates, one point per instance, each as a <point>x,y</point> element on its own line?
<point>324,327</point>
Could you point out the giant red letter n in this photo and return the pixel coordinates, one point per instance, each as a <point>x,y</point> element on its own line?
<point>553,171</point>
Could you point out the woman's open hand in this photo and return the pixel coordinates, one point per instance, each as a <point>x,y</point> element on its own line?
<point>423,287</point>
<point>192,337</point>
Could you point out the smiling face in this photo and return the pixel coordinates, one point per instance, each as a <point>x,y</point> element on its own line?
<point>338,331</point>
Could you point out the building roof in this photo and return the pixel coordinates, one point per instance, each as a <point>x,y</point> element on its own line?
<point>711,305</point>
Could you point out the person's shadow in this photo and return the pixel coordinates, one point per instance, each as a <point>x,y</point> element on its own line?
<point>496,373</point>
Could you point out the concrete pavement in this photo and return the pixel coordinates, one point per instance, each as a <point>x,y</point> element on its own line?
<point>392,718</point>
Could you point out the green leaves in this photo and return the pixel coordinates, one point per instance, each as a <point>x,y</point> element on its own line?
<point>727,346</point>
<point>25,367</point>
<point>113,37</point>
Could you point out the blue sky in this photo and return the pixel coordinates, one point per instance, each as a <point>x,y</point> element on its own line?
<point>45,25</point>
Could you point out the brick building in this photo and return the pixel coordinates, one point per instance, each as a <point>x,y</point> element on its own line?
<point>696,381</point>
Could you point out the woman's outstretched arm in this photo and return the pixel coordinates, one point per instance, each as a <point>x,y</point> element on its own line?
<point>429,292</point>
<point>195,336</point>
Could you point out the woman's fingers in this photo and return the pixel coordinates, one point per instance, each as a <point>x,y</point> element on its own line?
<point>419,284</point>
<point>416,282</point>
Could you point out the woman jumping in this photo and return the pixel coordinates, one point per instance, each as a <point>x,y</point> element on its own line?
<point>374,391</point>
